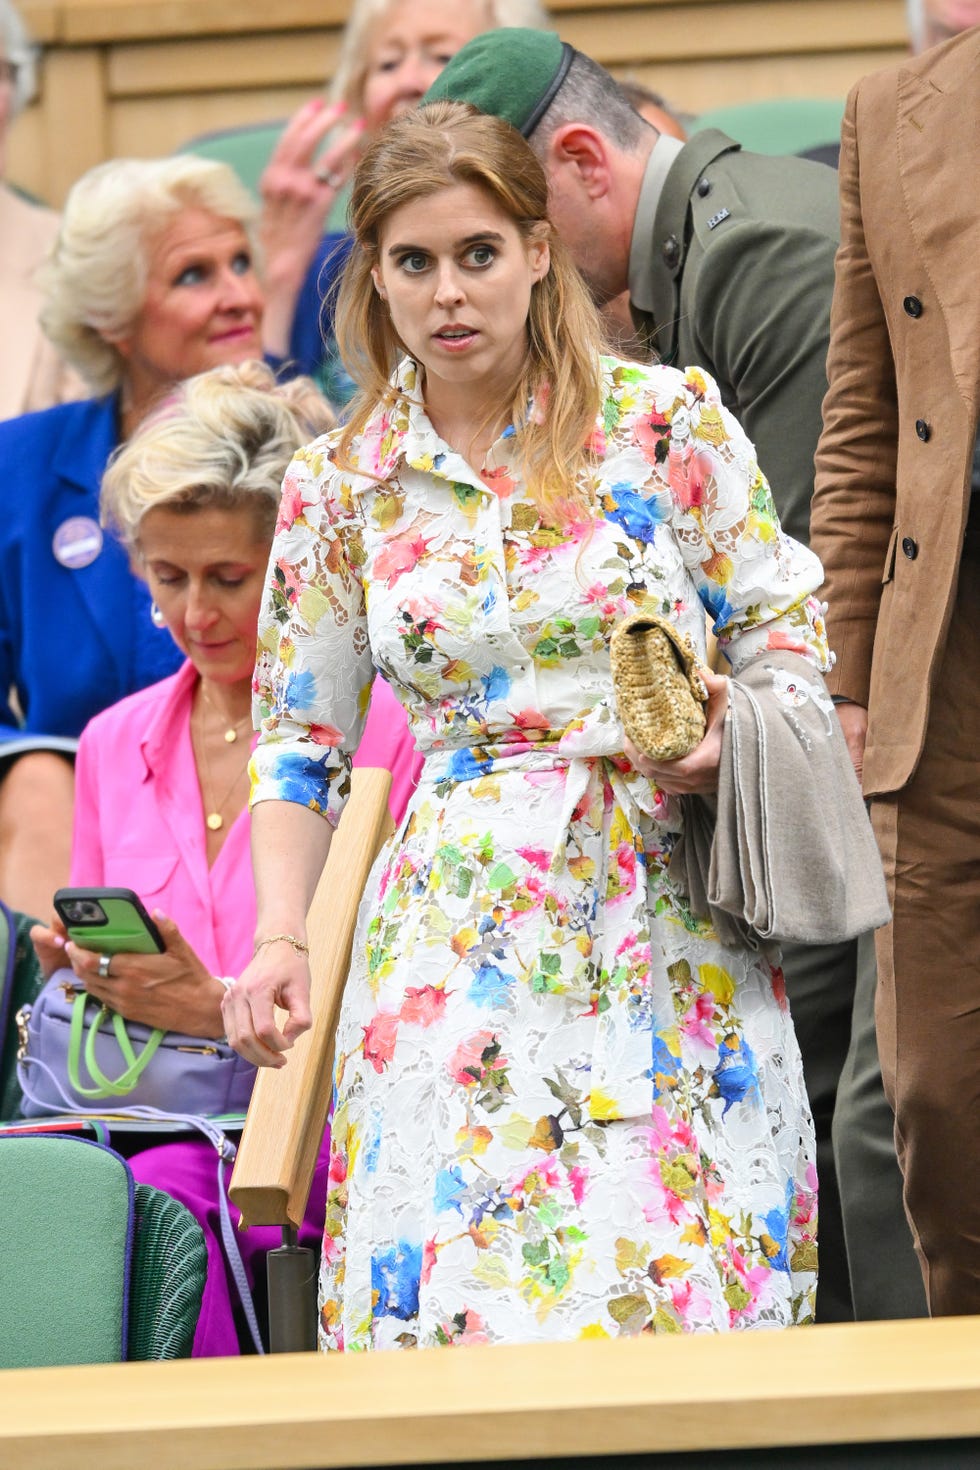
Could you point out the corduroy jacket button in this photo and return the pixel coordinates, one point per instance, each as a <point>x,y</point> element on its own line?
<point>912,305</point>
<point>923,430</point>
<point>910,548</point>
<point>671,251</point>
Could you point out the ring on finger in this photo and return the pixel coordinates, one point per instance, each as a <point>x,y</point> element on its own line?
<point>105,960</point>
<point>329,177</point>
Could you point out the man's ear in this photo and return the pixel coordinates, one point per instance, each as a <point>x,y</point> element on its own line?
<point>584,150</point>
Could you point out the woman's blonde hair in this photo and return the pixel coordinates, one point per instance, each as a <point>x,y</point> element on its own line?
<point>554,400</point>
<point>222,439</point>
<point>352,64</point>
<point>94,281</point>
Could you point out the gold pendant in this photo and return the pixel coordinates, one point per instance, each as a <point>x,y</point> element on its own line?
<point>215,821</point>
<point>231,736</point>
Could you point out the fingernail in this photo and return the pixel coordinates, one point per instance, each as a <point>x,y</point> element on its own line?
<point>316,104</point>
<point>359,125</point>
<point>60,941</point>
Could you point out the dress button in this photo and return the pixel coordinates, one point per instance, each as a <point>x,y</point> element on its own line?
<point>910,548</point>
<point>671,251</point>
<point>704,188</point>
<point>912,305</point>
<point>923,430</point>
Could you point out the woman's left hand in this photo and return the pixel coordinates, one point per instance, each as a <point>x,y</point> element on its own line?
<point>697,772</point>
<point>173,990</point>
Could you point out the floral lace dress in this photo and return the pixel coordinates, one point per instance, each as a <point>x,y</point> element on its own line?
<point>562,1108</point>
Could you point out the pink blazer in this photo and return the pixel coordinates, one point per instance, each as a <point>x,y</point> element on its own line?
<point>139,822</point>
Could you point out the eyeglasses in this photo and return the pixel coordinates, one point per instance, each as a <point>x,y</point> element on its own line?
<point>9,72</point>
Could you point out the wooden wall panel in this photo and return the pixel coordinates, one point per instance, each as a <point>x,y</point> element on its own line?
<point>140,77</point>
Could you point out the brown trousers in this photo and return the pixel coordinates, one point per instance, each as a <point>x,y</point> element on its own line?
<point>928,1000</point>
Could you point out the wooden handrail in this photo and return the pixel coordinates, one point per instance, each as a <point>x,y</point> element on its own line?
<point>288,1112</point>
<point>865,1383</point>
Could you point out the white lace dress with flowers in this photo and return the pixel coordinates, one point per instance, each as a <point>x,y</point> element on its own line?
<point>563,1109</point>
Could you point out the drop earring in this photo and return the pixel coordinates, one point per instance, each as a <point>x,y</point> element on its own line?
<point>156,616</point>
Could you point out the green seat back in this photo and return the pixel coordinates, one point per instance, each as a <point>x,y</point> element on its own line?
<point>779,124</point>
<point>246,149</point>
<point>66,1226</point>
<point>92,1269</point>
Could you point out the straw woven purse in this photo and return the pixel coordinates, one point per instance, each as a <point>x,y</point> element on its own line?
<point>659,691</point>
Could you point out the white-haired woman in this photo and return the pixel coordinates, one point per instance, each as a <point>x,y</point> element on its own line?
<point>32,375</point>
<point>150,282</point>
<point>392,51</point>
<point>162,776</point>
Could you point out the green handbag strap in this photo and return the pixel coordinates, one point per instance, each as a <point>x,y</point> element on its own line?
<point>135,1065</point>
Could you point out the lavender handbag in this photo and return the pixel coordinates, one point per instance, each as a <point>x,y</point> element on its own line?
<point>75,1053</point>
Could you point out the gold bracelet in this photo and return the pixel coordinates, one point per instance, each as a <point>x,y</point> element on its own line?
<point>297,944</point>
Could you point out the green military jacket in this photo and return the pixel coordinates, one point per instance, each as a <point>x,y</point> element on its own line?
<point>732,270</point>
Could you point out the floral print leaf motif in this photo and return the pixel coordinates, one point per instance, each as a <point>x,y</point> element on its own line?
<point>631,1312</point>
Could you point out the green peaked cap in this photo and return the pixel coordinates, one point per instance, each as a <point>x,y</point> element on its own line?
<point>513,73</point>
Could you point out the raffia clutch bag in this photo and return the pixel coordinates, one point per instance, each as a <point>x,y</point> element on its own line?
<point>659,691</point>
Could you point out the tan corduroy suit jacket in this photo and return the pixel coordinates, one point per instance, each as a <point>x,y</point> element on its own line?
<point>900,417</point>
<point>32,374</point>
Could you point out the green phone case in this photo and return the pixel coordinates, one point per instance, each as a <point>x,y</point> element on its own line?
<point>128,928</point>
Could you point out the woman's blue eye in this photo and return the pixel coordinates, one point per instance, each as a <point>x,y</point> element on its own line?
<point>482,254</point>
<point>191,275</point>
<point>242,263</point>
<point>414,263</point>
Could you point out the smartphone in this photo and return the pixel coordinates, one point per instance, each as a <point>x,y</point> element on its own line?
<point>109,920</point>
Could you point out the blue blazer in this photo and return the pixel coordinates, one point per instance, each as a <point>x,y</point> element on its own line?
<point>75,628</point>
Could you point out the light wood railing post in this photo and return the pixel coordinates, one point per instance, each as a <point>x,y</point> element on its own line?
<point>288,1112</point>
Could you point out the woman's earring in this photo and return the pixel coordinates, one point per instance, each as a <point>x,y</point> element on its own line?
<point>156,616</point>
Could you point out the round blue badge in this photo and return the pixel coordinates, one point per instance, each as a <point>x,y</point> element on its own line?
<point>77,542</point>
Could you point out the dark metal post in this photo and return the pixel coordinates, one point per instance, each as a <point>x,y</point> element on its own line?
<point>292,1277</point>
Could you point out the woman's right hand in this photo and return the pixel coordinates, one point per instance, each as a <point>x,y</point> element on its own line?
<point>298,188</point>
<point>277,976</point>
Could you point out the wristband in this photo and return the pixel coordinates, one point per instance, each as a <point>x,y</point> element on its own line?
<point>298,944</point>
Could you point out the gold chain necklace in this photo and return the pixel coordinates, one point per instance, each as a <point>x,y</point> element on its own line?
<point>231,731</point>
<point>213,809</point>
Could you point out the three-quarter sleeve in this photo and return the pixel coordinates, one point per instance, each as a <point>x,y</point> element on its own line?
<point>313,670</point>
<point>757,583</point>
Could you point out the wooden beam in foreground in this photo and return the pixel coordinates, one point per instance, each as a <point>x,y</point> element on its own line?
<point>885,1381</point>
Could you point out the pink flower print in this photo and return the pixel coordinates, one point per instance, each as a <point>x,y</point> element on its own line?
<point>465,1065</point>
<point>292,584</point>
<point>535,857</point>
<point>325,734</point>
<point>596,442</point>
<point>291,503</point>
<point>531,719</point>
<point>648,433</point>
<point>498,482</point>
<point>687,474</point>
<point>578,1180</point>
<point>380,1036</point>
<point>422,1006</point>
<point>399,556</point>
<point>428,1260</point>
<point>778,638</point>
<point>695,1023</point>
<point>337,1171</point>
<point>779,986</point>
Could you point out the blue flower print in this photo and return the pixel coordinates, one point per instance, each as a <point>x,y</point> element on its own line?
<point>300,691</point>
<point>638,516</point>
<point>449,1190</point>
<point>490,986</point>
<point>737,1073</point>
<point>464,766</point>
<point>496,684</point>
<point>395,1277</point>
